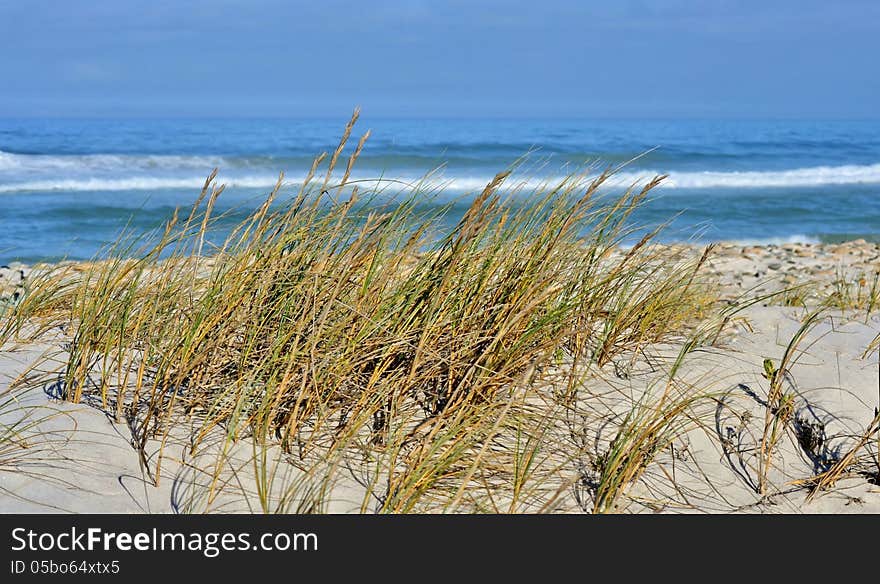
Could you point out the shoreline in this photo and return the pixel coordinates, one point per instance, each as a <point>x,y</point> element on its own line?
<point>735,266</point>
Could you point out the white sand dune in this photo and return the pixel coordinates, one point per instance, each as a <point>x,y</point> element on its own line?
<point>78,459</point>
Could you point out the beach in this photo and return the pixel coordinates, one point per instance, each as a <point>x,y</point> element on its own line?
<point>288,283</point>
<point>78,458</point>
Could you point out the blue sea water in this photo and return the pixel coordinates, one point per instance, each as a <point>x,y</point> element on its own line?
<point>68,187</point>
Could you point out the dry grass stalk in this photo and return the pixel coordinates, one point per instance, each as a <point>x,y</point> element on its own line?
<point>345,328</point>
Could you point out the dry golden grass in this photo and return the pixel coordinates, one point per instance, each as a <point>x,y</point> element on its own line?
<point>337,324</point>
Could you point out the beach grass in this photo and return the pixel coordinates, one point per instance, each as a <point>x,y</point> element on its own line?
<point>338,321</point>
<point>345,340</point>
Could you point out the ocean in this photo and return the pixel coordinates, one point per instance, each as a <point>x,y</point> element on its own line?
<point>69,187</point>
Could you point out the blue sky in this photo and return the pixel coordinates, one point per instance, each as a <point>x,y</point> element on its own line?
<point>534,58</point>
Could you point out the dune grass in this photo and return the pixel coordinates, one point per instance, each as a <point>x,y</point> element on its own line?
<point>24,437</point>
<point>340,322</point>
<point>646,430</point>
<point>779,410</point>
<point>858,293</point>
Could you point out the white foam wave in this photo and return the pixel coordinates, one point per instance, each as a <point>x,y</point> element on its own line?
<point>778,240</point>
<point>143,183</point>
<point>103,172</point>
<point>85,163</point>
<point>800,177</point>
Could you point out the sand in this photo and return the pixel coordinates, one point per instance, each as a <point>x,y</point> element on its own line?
<point>81,460</point>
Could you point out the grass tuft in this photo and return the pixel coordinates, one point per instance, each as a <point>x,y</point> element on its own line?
<point>343,323</point>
